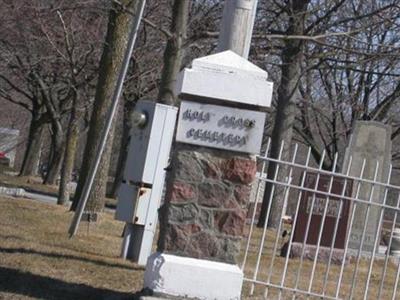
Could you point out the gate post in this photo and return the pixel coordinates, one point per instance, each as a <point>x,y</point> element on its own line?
<point>202,221</point>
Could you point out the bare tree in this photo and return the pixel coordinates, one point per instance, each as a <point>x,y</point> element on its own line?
<point>79,59</point>
<point>173,53</point>
<point>288,94</point>
<point>39,73</point>
<point>119,24</point>
<point>184,39</point>
<point>339,40</point>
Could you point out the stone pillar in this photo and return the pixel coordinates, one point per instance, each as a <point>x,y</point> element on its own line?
<point>206,204</point>
<point>202,221</point>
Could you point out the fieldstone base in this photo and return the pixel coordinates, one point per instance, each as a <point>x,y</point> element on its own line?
<point>323,253</point>
<point>192,278</point>
<point>205,208</point>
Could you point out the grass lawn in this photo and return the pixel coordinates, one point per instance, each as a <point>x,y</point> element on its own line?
<point>38,260</point>
<point>28,182</point>
<point>319,275</point>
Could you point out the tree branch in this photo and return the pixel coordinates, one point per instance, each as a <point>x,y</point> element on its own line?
<point>146,21</point>
<point>8,98</point>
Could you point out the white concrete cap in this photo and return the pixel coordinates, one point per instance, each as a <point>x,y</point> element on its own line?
<point>193,278</point>
<point>226,76</point>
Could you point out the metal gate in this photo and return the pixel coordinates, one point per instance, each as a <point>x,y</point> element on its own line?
<point>339,241</point>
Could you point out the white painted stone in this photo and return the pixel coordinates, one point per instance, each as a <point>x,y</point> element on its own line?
<point>193,278</point>
<point>13,192</point>
<point>220,127</point>
<point>226,76</point>
<point>72,186</point>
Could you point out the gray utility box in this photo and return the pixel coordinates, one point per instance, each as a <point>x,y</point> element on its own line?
<point>140,194</point>
<point>150,142</point>
<point>148,156</point>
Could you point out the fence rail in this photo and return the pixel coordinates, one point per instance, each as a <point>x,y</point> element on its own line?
<point>334,246</point>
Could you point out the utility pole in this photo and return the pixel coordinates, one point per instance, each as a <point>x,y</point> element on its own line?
<point>237,26</point>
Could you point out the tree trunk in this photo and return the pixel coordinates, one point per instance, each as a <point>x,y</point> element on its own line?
<point>56,158</point>
<point>288,93</point>
<point>123,152</point>
<point>174,52</point>
<point>32,154</point>
<point>57,135</point>
<point>68,163</point>
<point>173,56</point>
<point>119,25</point>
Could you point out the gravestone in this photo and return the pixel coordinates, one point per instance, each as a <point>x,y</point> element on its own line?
<point>8,144</point>
<point>370,141</point>
<point>334,211</point>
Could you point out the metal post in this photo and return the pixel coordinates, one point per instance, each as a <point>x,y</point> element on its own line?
<point>126,240</point>
<point>110,116</point>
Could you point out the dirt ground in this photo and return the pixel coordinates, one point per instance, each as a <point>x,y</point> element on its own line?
<point>39,261</point>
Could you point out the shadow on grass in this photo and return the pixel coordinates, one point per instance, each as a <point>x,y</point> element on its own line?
<point>67,256</point>
<point>27,284</point>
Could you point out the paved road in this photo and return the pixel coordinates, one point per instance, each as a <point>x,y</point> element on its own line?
<point>41,197</point>
<point>52,200</point>
<point>22,193</point>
